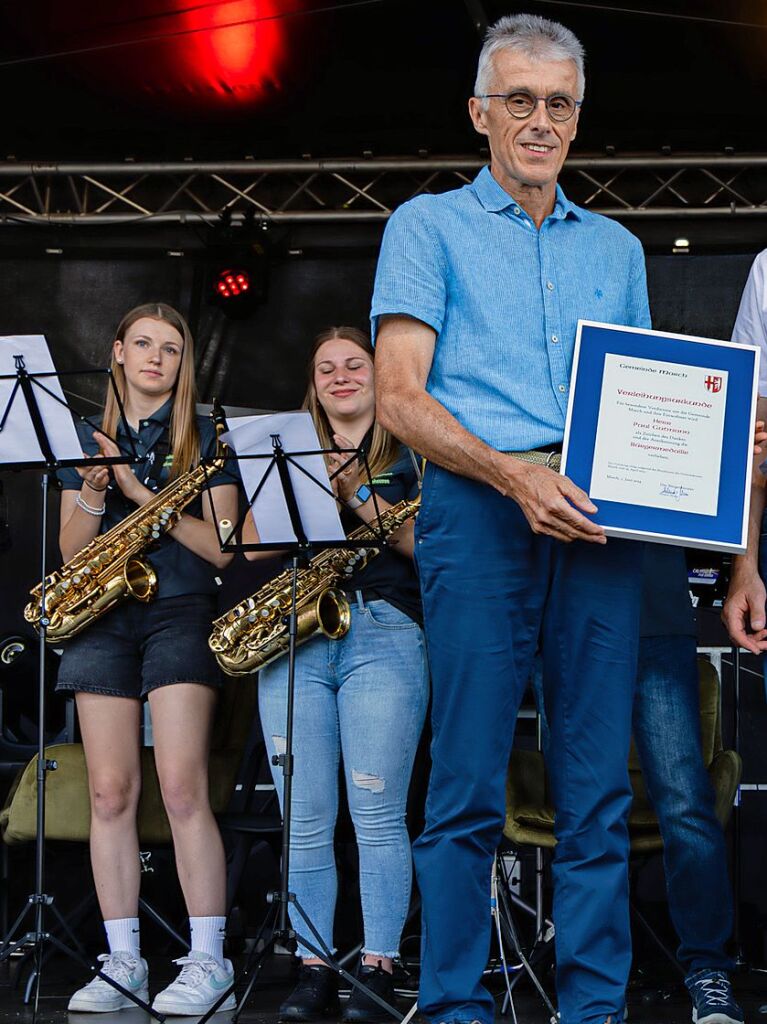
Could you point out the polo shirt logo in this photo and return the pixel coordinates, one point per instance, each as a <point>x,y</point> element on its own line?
<point>599,293</point>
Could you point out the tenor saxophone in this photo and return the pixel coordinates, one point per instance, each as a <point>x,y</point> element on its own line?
<point>112,567</point>
<point>255,632</point>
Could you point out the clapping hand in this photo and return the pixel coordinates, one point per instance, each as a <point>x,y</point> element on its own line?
<point>346,484</point>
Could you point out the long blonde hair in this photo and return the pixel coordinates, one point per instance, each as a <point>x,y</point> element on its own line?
<point>384,447</point>
<point>184,435</point>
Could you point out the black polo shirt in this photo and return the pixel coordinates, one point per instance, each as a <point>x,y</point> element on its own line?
<point>179,570</point>
<point>389,576</point>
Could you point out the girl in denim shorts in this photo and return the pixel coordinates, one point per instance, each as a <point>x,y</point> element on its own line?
<point>364,695</point>
<point>156,651</point>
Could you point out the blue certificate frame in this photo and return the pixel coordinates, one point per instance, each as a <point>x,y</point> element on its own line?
<point>727,530</point>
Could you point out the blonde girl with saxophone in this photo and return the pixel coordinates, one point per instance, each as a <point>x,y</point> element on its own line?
<point>156,651</point>
<point>363,696</point>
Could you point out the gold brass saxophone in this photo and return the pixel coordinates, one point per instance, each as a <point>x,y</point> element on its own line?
<point>111,568</point>
<point>255,632</point>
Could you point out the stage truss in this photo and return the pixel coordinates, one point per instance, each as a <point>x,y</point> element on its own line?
<point>305,191</point>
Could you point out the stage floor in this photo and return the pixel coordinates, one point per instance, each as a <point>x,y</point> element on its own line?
<point>61,978</point>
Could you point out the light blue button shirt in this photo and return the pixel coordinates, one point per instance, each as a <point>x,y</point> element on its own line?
<point>504,299</point>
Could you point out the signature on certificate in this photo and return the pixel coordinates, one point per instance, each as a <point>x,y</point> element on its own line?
<point>675,491</point>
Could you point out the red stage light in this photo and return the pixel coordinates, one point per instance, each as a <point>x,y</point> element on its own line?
<point>176,55</point>
<point>232,283</point>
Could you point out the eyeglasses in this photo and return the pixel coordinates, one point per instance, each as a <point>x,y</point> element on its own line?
<point>521,104</point>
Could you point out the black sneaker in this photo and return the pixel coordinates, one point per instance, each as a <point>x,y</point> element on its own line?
<point>315,997</point>
<point>360,1007</point>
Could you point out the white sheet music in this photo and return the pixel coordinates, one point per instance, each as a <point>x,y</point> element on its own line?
<point>18,441</point>
<point>252,435</point>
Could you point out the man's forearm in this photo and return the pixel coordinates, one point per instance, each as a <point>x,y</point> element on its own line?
<point>750,561</point>
<point>422,423</point>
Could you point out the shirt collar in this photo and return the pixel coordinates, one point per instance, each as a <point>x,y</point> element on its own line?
<point>494,198</point>
<point>160,417</point>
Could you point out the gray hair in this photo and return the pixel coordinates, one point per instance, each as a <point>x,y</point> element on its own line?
<point>537,38</point>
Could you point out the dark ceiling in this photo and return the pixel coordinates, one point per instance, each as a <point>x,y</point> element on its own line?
<point>227,78</point>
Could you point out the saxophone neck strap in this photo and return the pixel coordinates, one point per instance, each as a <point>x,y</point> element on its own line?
<point>160,451</point>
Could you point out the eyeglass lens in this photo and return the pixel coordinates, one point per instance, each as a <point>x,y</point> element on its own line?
<point>521,104</point>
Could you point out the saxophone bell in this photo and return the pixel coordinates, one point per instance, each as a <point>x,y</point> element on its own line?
<point>140,579</point>
<point>333,614</point>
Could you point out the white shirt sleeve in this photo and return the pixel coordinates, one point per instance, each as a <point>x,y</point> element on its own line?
<point>751,322</point>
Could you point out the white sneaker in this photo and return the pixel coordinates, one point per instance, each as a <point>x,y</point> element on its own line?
<point>98,996</point>
<point>201,982</point>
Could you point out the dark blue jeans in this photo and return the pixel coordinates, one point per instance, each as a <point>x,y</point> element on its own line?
<point>666,723</point>
<point>667,735</point>
<point>492,591</point>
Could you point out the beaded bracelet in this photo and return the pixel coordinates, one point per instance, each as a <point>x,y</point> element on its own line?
<point>81,503</point>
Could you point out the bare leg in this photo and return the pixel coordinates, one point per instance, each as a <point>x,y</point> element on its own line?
<point>110,731</point>
<point>182,714</point>
<point>369,959</point>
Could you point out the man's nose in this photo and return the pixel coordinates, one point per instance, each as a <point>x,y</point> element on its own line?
<point>540,115</point>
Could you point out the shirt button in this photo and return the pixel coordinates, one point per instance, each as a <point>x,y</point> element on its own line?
<point>517,210</point>
<point>563,387</point>
<point>145,423</point>
<point>550,285</point>
<point>554,339</point>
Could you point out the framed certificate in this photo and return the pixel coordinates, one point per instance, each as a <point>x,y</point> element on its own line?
<point>659,433</point>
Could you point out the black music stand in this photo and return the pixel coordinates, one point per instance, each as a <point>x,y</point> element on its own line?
<point>277,922</point>
<point>30,386</point>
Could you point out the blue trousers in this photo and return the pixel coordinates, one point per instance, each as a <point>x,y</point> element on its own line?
<point>666,722</point>
<point>493,593</point>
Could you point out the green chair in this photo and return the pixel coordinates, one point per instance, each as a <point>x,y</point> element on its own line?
<point>67,803</point>
<point>530,814</point>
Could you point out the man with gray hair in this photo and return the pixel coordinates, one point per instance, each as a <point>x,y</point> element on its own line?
<point>477,296</point>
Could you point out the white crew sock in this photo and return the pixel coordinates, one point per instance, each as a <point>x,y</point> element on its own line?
<point>208,936</point>
<point>123,935</point>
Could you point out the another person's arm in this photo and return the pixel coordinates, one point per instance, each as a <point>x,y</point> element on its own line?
<point>744,610</point>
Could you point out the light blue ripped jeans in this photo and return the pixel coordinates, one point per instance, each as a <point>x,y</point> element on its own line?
<point>365,696</point>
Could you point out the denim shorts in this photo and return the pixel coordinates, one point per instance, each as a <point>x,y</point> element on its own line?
<point>137,647</point>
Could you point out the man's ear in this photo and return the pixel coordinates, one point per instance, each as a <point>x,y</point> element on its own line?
<point>477,115</point>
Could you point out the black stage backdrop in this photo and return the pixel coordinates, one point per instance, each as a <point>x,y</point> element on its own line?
<point>259,362</point>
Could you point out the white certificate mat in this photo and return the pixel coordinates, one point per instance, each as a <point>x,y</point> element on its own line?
<point>659,432</point>
<point>252,435</point>
<point>659,424</point>
<point>18,441</point>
